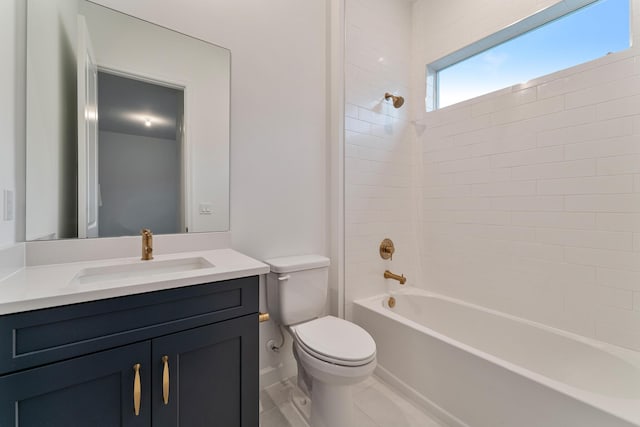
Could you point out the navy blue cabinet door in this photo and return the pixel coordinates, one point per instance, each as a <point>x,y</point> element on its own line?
<point>213,376</point>
<point>95,390</point>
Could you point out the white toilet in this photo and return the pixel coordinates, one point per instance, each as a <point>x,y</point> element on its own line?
<point>332,354</point>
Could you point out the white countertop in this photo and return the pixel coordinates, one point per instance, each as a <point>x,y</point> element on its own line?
<point>44,286</point>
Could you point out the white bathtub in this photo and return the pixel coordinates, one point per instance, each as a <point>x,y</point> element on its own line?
<point>480,368</point>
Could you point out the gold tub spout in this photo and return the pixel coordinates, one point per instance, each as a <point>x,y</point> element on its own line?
<point>390,275</point>
<point>147,244</point>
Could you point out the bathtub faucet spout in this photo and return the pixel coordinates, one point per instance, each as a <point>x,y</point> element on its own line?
<point>390,275</point>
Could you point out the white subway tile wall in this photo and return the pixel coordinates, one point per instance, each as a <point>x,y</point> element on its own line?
<point>381,152</point>
<point>531,200</point>
<point>526,200</point>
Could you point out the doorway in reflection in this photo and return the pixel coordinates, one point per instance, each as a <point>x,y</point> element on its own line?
<point>140,156</point>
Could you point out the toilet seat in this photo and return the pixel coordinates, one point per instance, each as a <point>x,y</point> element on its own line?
<point>336,341</point>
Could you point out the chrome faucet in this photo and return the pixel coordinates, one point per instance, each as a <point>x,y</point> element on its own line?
<point>390,275</point>
<point>147,244</point>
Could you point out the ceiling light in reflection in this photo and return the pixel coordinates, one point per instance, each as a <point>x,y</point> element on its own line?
<point>146,119</point>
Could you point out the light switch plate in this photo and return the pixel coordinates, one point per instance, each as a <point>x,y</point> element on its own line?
<point>8,203</point>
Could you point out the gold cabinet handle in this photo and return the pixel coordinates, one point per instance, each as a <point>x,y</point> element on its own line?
<point>136,389</point>
<point>165,380</point>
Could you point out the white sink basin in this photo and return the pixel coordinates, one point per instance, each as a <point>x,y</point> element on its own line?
<point>140,269</point>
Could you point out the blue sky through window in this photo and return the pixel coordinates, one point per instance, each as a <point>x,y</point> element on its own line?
<point>586,34</point>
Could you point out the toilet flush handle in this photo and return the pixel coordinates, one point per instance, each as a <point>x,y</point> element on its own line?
<point>281,278</point>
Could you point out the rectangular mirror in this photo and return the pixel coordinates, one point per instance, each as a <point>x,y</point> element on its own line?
<point>127,125</point>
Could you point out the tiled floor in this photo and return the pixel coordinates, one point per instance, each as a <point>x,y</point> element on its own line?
<point>377,405</point>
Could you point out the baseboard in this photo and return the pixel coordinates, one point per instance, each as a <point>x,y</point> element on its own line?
<point>414,396</point>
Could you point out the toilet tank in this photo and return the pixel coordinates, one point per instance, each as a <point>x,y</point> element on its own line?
<point>297,287</point>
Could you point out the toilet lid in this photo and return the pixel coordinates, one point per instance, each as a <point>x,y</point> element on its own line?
<point>336,341</point>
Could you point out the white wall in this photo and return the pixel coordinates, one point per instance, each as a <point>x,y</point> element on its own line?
<point>380,148</point>
<point>278,119</point>
<point>12,87</point>
<point>278,126</point>
<point>51,119</point>
<point>532,193</point>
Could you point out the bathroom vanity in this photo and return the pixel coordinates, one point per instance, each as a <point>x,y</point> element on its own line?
<point>186,354</point>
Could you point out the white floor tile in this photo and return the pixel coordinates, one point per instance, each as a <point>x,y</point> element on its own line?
<point>381,408</point>
<point>416,416</point>
<point>266,402</point>
<point>361,419</point>
<point>364,384</point>
<point>292,415</point>
<point>376,405</point>
<point>273,418</point>
<point>280,393</point>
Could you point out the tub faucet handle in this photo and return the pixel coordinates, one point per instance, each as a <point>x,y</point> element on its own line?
<point>387,249</point>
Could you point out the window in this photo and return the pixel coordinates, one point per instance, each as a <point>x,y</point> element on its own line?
<point>546,42</point>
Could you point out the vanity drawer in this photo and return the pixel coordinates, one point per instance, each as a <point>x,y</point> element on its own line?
<point>43,336</point>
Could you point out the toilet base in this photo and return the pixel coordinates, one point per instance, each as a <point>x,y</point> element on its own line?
<point>331,405</point>
<point>331,388</point>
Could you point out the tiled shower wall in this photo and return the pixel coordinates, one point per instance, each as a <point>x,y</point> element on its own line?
<point>381,151</point>
<point>532,200</point>
<point>526,200</point>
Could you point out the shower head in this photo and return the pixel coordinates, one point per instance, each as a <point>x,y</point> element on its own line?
<point>398,101</point>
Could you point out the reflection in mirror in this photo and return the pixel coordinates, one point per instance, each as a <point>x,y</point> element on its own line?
<point>127,125</point>
<point>140,157</point>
